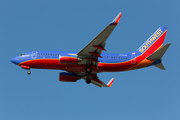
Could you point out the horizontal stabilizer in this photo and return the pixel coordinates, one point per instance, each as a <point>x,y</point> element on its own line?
<point>160,66</point>
<point>159,53</point>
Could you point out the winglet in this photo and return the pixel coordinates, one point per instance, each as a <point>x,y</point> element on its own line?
<point>110,82</point>
<point>116,20</point>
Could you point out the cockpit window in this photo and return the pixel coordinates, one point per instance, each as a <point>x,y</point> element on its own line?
<point>22,54</point>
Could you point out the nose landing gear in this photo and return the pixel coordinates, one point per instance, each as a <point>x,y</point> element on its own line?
<point>28,72</point>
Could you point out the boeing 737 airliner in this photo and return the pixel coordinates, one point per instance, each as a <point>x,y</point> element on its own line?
<point>89,61</point>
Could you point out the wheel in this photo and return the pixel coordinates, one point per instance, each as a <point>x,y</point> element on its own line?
<point>88,80</point>
<point>88,70</point>
<point>29,72</point>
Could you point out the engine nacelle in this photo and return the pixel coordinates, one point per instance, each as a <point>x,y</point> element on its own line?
<point>68,60</point>
<point>67,77</point>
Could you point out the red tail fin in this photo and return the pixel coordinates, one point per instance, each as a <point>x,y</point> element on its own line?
<point>154,42</point>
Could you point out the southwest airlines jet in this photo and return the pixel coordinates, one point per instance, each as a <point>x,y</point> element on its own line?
<point>91,60</point>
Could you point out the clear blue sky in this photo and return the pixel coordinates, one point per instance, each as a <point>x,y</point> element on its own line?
<point>61,25</point>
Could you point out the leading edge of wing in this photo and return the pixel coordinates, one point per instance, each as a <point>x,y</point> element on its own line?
<point>100,38</point>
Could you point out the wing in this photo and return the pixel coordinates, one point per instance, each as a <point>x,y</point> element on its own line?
<point>95,80</point>
<point>94,49</point>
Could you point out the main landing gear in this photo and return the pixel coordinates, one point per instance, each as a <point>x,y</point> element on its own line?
<point>88,71</point>
<point>28,72</point>
<point>88,80</point>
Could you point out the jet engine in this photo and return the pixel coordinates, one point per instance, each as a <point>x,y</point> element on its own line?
<point>69,60</point>
<point>68,77</point>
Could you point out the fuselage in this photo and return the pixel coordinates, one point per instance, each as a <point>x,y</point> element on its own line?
<point>68,61</point>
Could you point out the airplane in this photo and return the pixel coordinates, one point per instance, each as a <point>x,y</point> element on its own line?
<point>91,60</point>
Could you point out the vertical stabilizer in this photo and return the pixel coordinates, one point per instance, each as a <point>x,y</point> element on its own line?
<point>154,42</point>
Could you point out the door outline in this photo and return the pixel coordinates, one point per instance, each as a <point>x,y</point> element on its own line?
<point>34,54</point>
<point>133,58</point>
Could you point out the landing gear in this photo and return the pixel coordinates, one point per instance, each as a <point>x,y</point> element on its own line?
<point>29,72</point>
<point>88,80</point>
<point>88,71</point>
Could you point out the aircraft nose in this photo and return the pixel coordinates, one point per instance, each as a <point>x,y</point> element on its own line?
<point>14,60</point>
